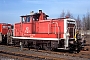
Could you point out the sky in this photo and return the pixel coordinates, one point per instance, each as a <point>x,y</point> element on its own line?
<point>11,10</point>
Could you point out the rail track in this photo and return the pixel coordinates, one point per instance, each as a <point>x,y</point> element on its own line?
<point>34,54</point>
<point>10,57</point>
<point>19,56</point>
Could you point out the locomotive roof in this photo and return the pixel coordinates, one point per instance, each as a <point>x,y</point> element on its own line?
<point>24,15</point>
<point>3,23</point>
<point>35,14</point>
<point>30,15</point>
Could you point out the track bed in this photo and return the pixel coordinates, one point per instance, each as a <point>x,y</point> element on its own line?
<point>42,54</point>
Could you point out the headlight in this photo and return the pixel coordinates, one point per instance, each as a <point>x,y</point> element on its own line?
<point>4,35</point>
<point>71,42</point>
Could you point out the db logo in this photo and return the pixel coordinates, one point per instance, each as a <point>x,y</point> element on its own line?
<point>27,30</point>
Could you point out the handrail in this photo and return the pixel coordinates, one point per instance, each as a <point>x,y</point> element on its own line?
<point>56,25</point>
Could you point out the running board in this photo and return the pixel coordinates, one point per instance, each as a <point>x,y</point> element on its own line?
<point>55,39</point>
<point>63,48</point>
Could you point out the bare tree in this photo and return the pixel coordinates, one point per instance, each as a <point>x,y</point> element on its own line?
<point>78,21</point>
<point>86,21</point>
<point>69,14</point>
<point>62,15</point>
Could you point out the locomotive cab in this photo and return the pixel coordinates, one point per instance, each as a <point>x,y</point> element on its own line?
<point>34,17</point>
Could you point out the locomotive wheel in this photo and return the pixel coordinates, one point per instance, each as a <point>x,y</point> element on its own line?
<point>38,47</point>
<point>74,49</point>
<point>45,47</point>
<point>52,49</point>
<point>48,48</point>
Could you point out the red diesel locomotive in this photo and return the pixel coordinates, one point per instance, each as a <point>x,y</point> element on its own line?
<point>4,30</point>
<point>36,31</point>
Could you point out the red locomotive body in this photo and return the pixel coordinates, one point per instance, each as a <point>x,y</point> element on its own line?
<point>4,29</point>
<point>44,29</point>
<point>38,31</point>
